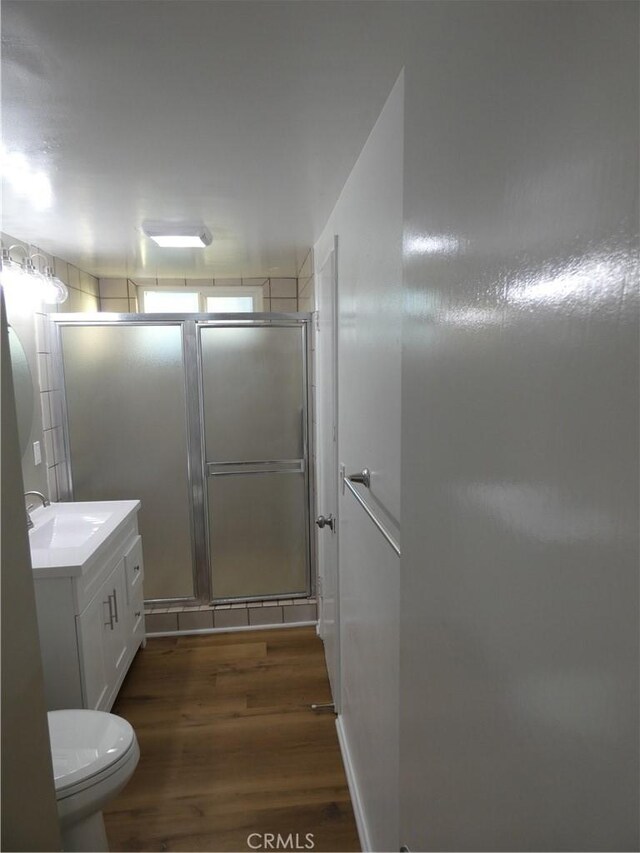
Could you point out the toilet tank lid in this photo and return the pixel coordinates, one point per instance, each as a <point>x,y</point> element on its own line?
<point>85,743</point>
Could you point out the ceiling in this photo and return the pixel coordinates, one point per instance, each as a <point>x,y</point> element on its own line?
<point>245,116</point>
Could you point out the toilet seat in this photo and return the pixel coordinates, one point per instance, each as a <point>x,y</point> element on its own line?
<point>88,747</point>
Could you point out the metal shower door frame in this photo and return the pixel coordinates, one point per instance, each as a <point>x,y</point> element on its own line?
<point>303,321</point>
<point>194,420</point>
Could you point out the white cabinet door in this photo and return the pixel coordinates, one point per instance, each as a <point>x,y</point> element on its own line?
<point>93,627</point>
<point>118,638</point>
<point>134,570</point>
<point>134,574</point>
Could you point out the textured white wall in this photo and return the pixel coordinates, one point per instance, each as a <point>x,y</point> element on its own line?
<point>368,222</point>
<point>519,605</point>
<point>29,813</point>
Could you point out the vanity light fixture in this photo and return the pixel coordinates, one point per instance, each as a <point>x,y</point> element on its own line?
<point>55,289</point>
<point>170,236</point>
<point>45,286</point>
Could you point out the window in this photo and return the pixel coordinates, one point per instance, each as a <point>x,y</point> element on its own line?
<point>171,302</point>
<point>237,304</point>
<point>193,300</point>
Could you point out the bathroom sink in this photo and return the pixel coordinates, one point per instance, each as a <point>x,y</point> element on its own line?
<point>69,535</point>
<point>67,529</point>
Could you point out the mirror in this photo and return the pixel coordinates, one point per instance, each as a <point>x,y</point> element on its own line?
<point>23,389</point>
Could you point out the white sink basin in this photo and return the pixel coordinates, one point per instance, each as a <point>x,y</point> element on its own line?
<point>66,536</point>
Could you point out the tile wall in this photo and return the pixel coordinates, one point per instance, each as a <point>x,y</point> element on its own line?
<point>306,284</point>
<point>121,294</point>
<point>83,296</point>
<point>284,611</point>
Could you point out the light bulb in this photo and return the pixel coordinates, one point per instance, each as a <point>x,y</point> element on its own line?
<point>11,273</point>
<point>55,289</point>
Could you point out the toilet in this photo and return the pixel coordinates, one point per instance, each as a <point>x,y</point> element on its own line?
<point>94,755</point>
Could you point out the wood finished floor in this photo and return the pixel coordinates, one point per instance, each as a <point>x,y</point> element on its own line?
<point>229,745</point>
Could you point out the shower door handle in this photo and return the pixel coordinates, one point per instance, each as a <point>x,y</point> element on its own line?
<point>328,521</point>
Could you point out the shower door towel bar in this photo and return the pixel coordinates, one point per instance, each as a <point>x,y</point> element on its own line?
<point>273,466</point>
<point>392,541</point>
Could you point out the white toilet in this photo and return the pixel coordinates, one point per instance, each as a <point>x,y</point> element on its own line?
<point>94,756</point>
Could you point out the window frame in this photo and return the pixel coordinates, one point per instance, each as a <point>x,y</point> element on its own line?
<point>206,292</point>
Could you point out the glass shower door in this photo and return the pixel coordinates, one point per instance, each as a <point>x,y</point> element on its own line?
<point>127,434</point>
<point>254,401</point>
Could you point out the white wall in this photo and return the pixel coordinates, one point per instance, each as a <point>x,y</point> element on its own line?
<point>368,221</point>
<point>519,612</point>
<point>29,814</point>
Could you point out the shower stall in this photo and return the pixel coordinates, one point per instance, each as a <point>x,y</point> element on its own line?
<point>205,419</point>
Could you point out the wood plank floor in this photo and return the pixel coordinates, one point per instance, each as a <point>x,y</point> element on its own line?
<point>229,745</point>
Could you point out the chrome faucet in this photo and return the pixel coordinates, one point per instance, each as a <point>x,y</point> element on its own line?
<point>44,500</point>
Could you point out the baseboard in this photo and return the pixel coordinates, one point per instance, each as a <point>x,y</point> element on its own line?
<point>233,630</point>
<point>356,800</point>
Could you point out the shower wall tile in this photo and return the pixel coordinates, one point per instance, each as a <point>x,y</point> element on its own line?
<point>195,620</point>
<point>43,335</point>
<point>118,306</point>
<point>55,404</point>
<point>44,371</point>
<point>45,405</point>
<point>199,282</point>
<point>172,282</point>
<point>58,445</point>
<point>74,276</point>
<point>282,306</point>
<point>81,301</point>
<point>63,482</point>
<point>159,622</point>
<point>83,296</point>
<point>49,448</point>
<point>61,269</point>
<point>230,618</point>
<point>89,284</point>
<point>300,613</point>
<point>52,484</point>
<point>306,284</point>
<point>113,288</point>
<point>306,269</point>
<point>256,614</point>
<point>265,615</point>
<point>284,287</point>
<point>227,282</point>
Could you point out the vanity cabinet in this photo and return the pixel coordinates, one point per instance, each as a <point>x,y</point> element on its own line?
<point>92,623</point>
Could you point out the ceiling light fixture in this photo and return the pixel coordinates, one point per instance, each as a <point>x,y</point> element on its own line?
<point>169,236</point>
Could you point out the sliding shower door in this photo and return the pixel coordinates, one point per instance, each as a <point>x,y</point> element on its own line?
<point>127,437</point>
<point>254,405</point>
<point>203,418</point>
